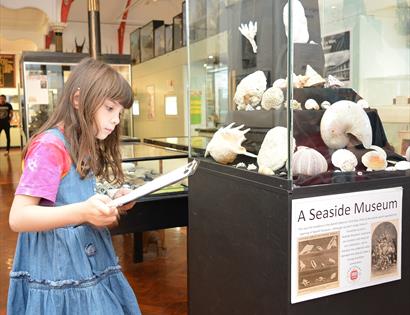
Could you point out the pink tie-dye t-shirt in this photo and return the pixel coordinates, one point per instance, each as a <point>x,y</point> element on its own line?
<point>46,163</point>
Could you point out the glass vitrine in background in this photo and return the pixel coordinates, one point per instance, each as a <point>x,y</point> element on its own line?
<point>44,75</point>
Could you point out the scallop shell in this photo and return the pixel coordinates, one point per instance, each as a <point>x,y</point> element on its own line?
<point>374,160</point>
<point>363,103</point>
<point>311,104</point>
<point>308,161</point>
<point>250,89</point>
<point>344,159</point>
<point>272,98</point>
<point>343,120</point>
<point>273,153</point>
<point>314,78</point>
<point>225,145</point>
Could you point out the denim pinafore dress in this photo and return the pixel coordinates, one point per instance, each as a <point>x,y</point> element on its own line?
<point>69,270</point>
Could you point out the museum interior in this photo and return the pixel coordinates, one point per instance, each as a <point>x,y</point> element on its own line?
<point>281,129</point>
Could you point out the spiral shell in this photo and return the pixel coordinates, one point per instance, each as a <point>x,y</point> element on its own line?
<point>343,120</point>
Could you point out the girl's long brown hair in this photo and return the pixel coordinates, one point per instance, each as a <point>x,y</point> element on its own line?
<point>96,82</point>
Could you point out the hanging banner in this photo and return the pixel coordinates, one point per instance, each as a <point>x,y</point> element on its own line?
<point>344,242</point>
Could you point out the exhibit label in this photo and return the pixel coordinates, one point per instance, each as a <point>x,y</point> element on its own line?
<point>344,242</point>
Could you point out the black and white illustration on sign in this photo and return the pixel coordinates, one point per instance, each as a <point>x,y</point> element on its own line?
<point>318,262</point>
<point>384,249</point>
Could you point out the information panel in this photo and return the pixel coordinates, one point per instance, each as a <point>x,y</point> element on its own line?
<point>344,242</point>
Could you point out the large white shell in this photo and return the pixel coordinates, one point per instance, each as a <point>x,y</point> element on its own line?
<point>342,119</point>
<point>250,90</point>
<point>273,153</point>
<point>272,98</point>
<point>363,103</point>
<point>299,22</point>
<point>308,161</point>
<point>280,83</point>
<point>345,160</point>
<point>407,154</point>
<point>225,145</point>
<point>313,78</point>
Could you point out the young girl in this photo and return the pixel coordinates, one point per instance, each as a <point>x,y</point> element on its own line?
<point>65,262</point>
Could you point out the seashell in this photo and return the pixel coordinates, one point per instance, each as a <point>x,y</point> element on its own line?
<point>249,107</point>
<point>378,149</point>
<point>311,104</point>
<point>265,171</point>
<point>390,168</point>
<point>294,104</point>
<point>407,154</point>
<point>333,82</point>
<point>308,161</point>
<point>402,166</point>
<point>258,107</point>
<point>374,161</point>
<point>225,145</point>
<point>325,105</point>
<point>343,120</point>
<point>280,83</point>
<point>250,89</point>
<point>363,103</point>
<point>272,98</point>
<point>251,167</point>
<point>299,81</point>
<point>273,153</point>
<point>299,22</point>
<point>249,31</point>
<point>314,78</point>
<point>240,165</point>
<point>344,159</point>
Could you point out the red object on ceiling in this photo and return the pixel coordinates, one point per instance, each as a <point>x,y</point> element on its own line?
<point>121,28</point>
<point>65,8</point>
<point>48,39</point>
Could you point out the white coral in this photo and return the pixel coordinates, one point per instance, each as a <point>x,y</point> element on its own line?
<point>249,31</point>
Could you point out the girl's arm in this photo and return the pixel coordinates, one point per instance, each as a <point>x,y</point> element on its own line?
<point>27,216</point>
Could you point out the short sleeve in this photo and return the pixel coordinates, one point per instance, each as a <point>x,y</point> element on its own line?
<point>46,162</point>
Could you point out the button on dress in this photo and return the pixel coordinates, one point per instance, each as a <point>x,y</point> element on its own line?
<point>69,270</point>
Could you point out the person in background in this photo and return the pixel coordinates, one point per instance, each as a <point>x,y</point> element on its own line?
<point>6,114</point>
<point>65,261</point>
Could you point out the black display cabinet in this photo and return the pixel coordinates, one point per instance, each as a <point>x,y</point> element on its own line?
<point>239,245</point>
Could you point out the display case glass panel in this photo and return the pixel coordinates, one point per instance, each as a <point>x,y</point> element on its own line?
<point>177,31</point>
<point>168,38</point>
<point>159,41</point>
<point>347,115</point>
<point>135,48</point>
<point>147,39</point>
<point>43,84</point>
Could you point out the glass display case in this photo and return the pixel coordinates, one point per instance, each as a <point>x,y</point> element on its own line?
<point>242,59</point>
<point>43,77</point>
<point>304,189</point>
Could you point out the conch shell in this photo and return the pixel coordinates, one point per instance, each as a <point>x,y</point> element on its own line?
<point>225,145</point>
<point>345,160</point>
<point>273,153</point>
<point>343,120</point>
<point>250,90</point>
<point>308,161</point>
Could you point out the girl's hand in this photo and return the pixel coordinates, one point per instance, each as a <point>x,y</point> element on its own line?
<point>124,208</point>
<point>98,212</point>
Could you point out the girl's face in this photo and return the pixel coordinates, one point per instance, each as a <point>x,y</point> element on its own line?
<point>107,118</point>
